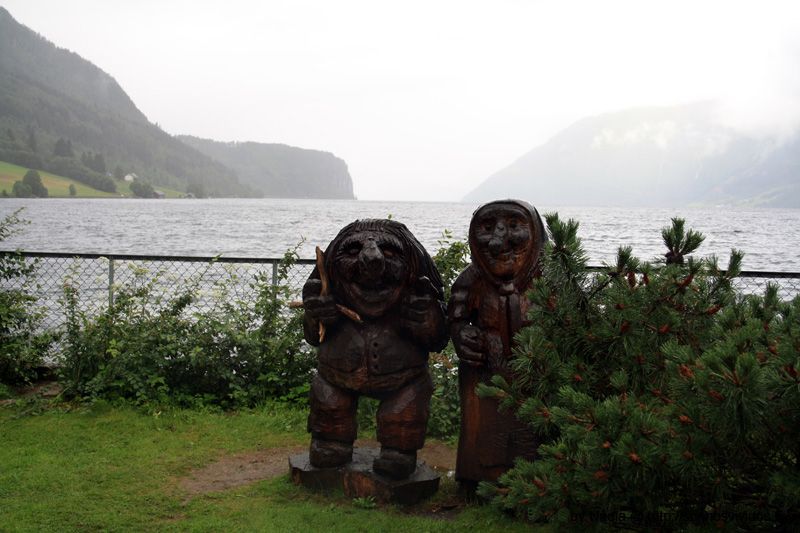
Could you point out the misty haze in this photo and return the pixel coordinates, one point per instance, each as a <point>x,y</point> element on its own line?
<point>568,104</point>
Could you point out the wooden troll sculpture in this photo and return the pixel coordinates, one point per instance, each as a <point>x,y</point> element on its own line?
<point>487,307</point>
<point>374,306</point>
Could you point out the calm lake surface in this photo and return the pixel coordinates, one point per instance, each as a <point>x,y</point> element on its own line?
<point>268,227</point>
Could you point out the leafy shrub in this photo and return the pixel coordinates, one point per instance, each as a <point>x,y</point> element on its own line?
<point>661,394</point>
<point>445,419</point>
<point>33,180</point>
<point>20,189</point>
<point>445,414</point>
<point>5,392</point>
<point>451,259</point>
<point>142,189</point>
<point>149,349</point>
<point>21,345</point>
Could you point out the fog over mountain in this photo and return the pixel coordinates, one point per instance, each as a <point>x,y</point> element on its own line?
<point>424,101</point>
<point>654,156</point>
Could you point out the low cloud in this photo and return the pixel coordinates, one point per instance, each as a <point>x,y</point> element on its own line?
<point>765,100</point>
<point>706,141</point>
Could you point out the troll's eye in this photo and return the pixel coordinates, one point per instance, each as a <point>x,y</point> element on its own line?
<point>353,249</point>
<point>389,250</point>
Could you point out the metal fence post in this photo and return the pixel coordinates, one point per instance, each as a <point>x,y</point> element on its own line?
<point>274,273</point>
<point>110,283</point>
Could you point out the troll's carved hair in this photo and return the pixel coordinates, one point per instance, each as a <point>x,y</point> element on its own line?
<point>420,263</point>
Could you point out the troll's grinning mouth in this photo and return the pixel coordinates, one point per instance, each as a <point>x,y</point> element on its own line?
<point>502,257</point>
<point>372,294</point>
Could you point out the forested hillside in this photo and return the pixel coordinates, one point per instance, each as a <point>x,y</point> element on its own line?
<point>61,113</point>
<point>281,171</point>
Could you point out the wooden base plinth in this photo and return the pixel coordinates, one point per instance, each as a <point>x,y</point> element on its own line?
<point>359,481</point>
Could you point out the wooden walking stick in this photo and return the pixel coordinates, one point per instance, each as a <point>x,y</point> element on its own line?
<point>323,279</point>
<point>324,291</point>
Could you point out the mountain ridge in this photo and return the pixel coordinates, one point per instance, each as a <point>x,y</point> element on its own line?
<point>280,170</point>
<point>652,156</point>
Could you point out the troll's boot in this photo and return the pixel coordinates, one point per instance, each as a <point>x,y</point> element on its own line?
<point>395,464</point>
<point>329,453</point>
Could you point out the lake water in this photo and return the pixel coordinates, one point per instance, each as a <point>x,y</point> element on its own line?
<point>267,227</point>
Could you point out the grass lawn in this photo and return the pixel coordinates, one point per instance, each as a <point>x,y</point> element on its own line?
<point>103,468</point>
<point>58,186</point>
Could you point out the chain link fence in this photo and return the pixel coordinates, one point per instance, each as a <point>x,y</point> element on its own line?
<point>98,277</point>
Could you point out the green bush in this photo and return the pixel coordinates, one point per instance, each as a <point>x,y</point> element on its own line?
<point>20,189</point>
<point>149,349</point>
<point>33,180</point>
<point>142,189</point>
<point>660,393</point>
<point>22,346</point>
<point>445,419</point>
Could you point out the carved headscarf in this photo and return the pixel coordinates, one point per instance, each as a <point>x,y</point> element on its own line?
<point>531,263</point>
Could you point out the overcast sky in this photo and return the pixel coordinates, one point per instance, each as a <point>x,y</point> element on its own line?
<point>426,99</point>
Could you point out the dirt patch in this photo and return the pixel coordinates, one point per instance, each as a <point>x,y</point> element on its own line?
<point>244,468</point>
<point>237,470</point>
<point>447,509</point>
<point>46,389</point>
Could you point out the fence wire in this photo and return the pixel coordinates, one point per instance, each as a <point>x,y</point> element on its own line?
<point>98,278</point>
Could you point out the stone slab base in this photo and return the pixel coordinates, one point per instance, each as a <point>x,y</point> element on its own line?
<point>359,481</point>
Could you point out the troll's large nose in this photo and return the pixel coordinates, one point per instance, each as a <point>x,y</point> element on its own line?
<point>371,260</point>
<point>497,244</point>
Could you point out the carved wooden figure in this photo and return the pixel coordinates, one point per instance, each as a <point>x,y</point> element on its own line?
<point>374,306</point>
<point>487,307</point>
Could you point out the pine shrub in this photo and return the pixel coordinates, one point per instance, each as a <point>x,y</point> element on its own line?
<point>663,396</point>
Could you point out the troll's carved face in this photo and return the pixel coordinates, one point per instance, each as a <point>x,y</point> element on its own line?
<point>372,269</point>
<point>502,235</point>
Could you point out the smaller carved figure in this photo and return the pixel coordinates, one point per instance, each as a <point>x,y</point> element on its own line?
<point>487,307</point>
<point>374,306</point>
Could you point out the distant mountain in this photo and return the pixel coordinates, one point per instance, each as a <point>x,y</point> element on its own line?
<point>281,171</point>
<point>659,156</point>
